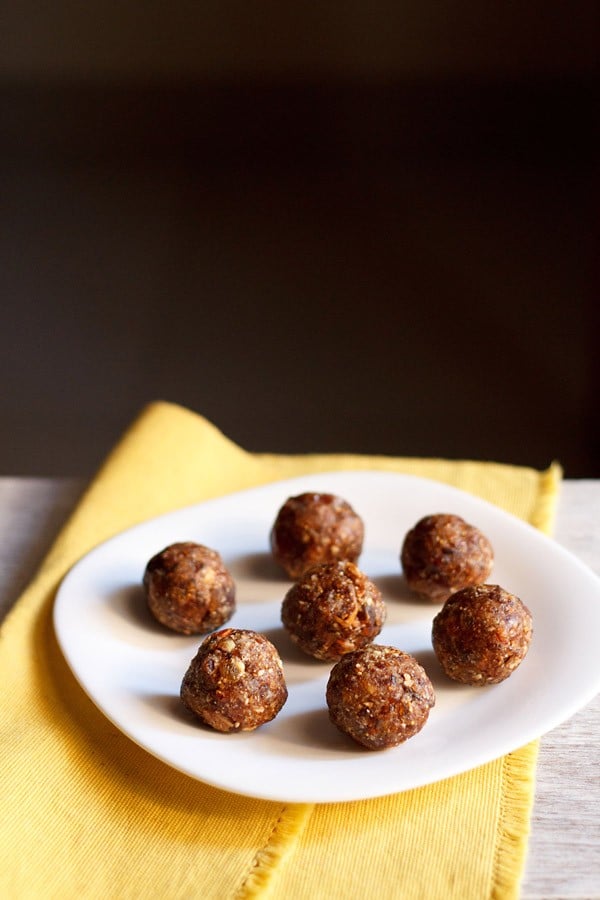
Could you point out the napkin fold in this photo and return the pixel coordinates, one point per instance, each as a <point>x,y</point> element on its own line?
<point>87,813</point>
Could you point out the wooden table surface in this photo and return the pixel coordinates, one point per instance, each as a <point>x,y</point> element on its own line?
<point>564,848</point>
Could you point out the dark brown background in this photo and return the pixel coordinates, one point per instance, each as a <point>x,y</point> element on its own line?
<point>325,229</point>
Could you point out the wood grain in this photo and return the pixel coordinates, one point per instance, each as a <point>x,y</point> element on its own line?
<point>564,846</point>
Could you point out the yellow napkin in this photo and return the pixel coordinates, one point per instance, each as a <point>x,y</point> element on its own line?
<point>88,814</point>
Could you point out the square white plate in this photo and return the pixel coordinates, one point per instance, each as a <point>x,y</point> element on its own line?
<point>132,668</point>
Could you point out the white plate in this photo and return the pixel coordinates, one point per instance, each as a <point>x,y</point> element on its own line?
<point>132,668</point>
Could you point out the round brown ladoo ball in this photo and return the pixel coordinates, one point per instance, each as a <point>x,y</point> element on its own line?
<point>315,528</point>
<point>189,589</point>
<point>332,610</point>
<point>443,554</point>
<point>235,682</point>
<point>379,696</point>
<point>481,634</point>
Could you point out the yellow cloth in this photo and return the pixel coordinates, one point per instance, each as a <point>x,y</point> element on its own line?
<point>88,814</point>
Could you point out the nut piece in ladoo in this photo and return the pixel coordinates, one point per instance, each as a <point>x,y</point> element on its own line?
<point>481,634</point>
<point>332,610</point>
<point>315,528</point>
<point>443,554</point>
<point>189,589</point>
<point>379,696</point>
<point>235,682</point>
